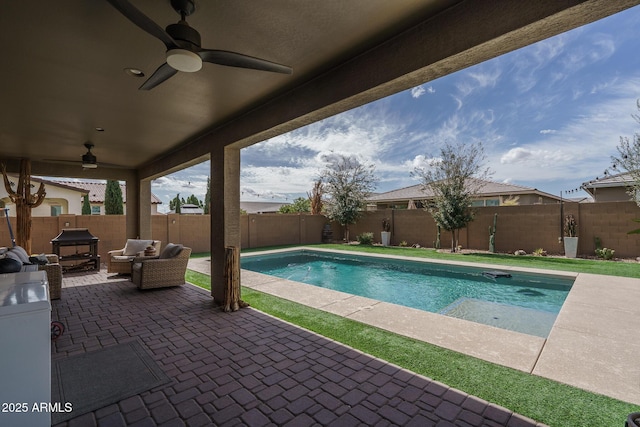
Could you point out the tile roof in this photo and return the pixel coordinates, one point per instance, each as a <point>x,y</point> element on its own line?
<point>487,188</point>
<point>619,180</point>
<point>97,189</point>
<point>68,185</point>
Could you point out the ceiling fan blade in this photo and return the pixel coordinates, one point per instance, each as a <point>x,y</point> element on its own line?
<point>143,21</point>
<point>233,59</point>
<point>164,72</point>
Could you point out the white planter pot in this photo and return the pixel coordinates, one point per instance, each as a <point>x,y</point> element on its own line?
<point>385,237</point>
<point>570,247</point>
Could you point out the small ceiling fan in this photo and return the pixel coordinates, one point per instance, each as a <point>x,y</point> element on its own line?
<point>184,52</point>
<point>88,160</point>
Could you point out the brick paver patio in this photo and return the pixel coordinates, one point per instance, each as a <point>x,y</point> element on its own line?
<point>247,368</point>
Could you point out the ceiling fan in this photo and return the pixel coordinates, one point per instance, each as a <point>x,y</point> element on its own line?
<point>184,52</point>
<point>88,160</point>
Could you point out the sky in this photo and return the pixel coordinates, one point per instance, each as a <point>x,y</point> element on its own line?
<point>549,116</point>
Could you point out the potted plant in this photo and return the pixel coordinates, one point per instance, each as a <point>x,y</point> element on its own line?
<point>386,232</point>
<point>571,238</point>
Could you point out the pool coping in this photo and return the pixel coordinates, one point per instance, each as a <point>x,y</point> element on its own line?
<point>593,343</point>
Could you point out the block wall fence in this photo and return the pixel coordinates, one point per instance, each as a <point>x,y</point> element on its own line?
<point>519,227</point>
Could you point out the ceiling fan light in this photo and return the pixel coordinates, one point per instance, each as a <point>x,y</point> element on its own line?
<point>89,161</point>
<point>184,60</point>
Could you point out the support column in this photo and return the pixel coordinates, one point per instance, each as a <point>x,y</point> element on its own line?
<point>225,213</point>
<point>138,208</point>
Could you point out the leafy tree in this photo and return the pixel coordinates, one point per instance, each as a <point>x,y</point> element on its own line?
<point>113,204</point>
<point>299,205</point>
<point>348,183</point>
<point>86,206</point>
<point>454,178</point>
<point>193,200</point>
<point>207,197</point>
<point>628,160</point>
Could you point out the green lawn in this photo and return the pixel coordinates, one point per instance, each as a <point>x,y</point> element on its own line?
<point>541,399</point>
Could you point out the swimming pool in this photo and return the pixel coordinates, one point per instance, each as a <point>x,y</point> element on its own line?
<point>523,302</point>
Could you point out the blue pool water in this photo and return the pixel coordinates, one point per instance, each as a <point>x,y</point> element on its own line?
<point>525,302</point>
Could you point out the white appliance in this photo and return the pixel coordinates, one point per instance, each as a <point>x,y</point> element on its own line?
<point>25,349</point>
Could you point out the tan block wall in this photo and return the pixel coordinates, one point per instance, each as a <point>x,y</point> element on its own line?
<point>519,227</point>
<point>259,230</point>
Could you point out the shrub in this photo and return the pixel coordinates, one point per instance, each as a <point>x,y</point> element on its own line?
<point>540,252</point>
<point>403,244</point>
<point>605,253</point>
<point>365,238</point>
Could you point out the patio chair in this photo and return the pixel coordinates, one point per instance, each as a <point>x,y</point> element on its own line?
<point>120,260</point>
<point>54,275</point>
<point>167,269</point>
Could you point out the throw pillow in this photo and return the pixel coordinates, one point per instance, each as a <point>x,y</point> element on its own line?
<point>170,251</point>
<point>133,246</point>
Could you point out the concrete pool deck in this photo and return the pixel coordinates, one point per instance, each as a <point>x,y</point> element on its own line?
<point>594,343</point>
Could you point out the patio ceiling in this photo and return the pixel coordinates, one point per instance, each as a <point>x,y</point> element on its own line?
<point>63,67</point>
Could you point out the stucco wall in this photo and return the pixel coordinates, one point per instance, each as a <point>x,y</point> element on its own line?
<point>519,227</point>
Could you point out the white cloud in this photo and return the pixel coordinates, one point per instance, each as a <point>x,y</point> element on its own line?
<point>417,91</point>
<point>514,155</point>
<point>547,131</point>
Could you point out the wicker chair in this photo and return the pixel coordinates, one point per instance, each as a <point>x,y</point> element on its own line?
<point>157,272</point>
<point>54,275</point>
<point>119,263</point>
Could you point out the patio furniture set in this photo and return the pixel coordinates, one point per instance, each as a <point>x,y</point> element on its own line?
<point>141,259</point>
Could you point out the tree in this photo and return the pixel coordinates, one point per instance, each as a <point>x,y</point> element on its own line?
<point>628,159</point>
<point>299,205</point>
<point>86,206</point>
<point>207,198</point>
<point>176,203</point>
<point>315,197</point>
<point>113,204</point>
<point>454,178</point>
<point>348,183</point>
<point>193,200</point>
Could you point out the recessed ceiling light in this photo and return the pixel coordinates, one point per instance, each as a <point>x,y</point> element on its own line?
<point>134,72</point>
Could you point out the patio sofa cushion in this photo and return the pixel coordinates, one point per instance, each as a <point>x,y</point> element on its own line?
<point>134,246</point>
<point>21,254</point>
<point>18,254</point>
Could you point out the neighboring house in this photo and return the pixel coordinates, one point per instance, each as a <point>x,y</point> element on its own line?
<point>96,192</point>
<point>261,207</point>
<point>491,194</point>
<point>61,198</point>
<point>189,209</point>
<point>610,189</point>
<point>66,197</point>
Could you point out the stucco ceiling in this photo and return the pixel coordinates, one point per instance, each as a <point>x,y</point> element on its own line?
<point>63,65</point>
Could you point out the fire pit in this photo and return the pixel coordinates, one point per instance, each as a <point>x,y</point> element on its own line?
<point>83,250</point>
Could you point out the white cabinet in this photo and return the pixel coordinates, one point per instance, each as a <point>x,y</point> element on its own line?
<point>25,349</point>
